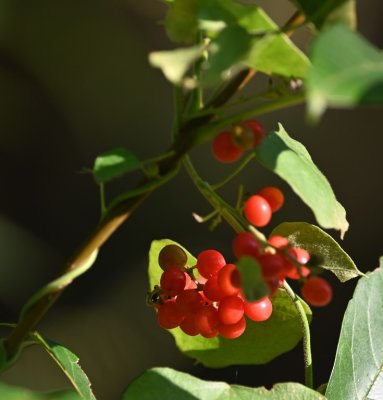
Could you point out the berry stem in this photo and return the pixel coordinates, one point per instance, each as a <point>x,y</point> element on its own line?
<point>306,335</point>
<point>234,173</point>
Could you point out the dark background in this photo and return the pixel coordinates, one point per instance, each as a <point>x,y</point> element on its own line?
<point>74,82</point>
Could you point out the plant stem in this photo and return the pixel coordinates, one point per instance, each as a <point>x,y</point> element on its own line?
<point>306,335</point>
<point>234,173</point>
<point>228,212</point>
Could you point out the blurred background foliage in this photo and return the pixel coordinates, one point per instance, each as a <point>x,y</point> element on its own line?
<point>75,81</point>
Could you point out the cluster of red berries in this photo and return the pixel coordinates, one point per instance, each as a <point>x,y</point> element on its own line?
<point>211,305</point>
<point>229,146</point>
<point>278,261</point>
<point>214,304</point>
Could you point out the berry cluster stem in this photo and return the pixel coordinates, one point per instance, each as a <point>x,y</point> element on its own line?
<point>306,335</point>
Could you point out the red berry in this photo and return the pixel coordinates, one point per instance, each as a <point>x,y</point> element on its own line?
<point>229,280</point>
<point>259,310</point>
<point>189,301</point>
<point>258,131</point>
<point>212,290</point>
<point>278,241</point>
<point>224,149</point>
<point>207,322</point>
<point>245,244</point>
<point>317,291</point>
<point>230,310</point>
<point>173,281</point>
<point>169,316</point>
<point>257,210</point>
<point>233,331</point>
<point>274,284</point>
<point>188,325</point>
<point>302,256</point>
<point>172,256</point>
<point>209,262</point>
<point>272,265</point>
<point>274,196</point>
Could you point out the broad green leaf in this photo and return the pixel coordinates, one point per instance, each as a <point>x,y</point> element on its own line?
<point>261,342</point>
<point>8,392</point>
<point>253,284</point>
<point>346,71</point>
<point>321,12</point>
<point>290,160</point>
<point>358,368</point>
<point>167,383</point>
<point>175,63</point>
<point>325,252</point>
<point>113,164</point>
<point>69,363</point>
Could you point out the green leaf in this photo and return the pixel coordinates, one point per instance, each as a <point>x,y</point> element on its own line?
<point>166,383</point>
<point>113,164</point>
<point>175,63</point>
<point>346,71</point>
<point>321,12</point>
<point>290,160</point>
<point>358,369</point>
<point>8,392</point>
<point>253,284</point>
<point>325,252</point>
<point>69,363</point>
<point>261,342</point>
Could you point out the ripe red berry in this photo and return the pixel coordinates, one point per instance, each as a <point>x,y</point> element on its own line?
<point>172,256</point>
<point>209,262</point>
<point>258,131</point>
<point>173,281</point>
<point>188,325</point>
<point>257,210</point>
<point>274,196</point>
<point>317,291</point>
<point>302,256</point>
<point>278,241</point>
<point>207,322</point>
<point>224,149</point>
<point>169,316</point>
<point>212,290</point>
<point>230,310</point>
<point>233,331</point>
<point>272,265</point>
<point>189,301</point>
<point>259,310</point>
<point>245,244</point>
<point>229,280</point>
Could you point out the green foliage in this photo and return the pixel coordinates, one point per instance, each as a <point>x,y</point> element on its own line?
<point>8,392</point>
<point>69,363</point>
<point>166,383</point>
<point>253,284</point>
<point>240,36</point>
<point>321,12</point>
<point>290,160</point>
<point>358,369</point>
<point>346,71</point>
<point>261,342</point>
<point>325,252</point>
<point>113,164</point>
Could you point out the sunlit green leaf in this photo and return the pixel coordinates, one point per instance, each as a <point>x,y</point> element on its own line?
<point>8,392</point>
<point>290,160</point>
<point>166,383</point>
<point>346,71</point>
<point>114,163</point>
<point>69,363</point>
<point>175,63</point>
<point>261,342</point>
<point>321,12</point>
<point>358,369</point>
<point>325,252</point>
